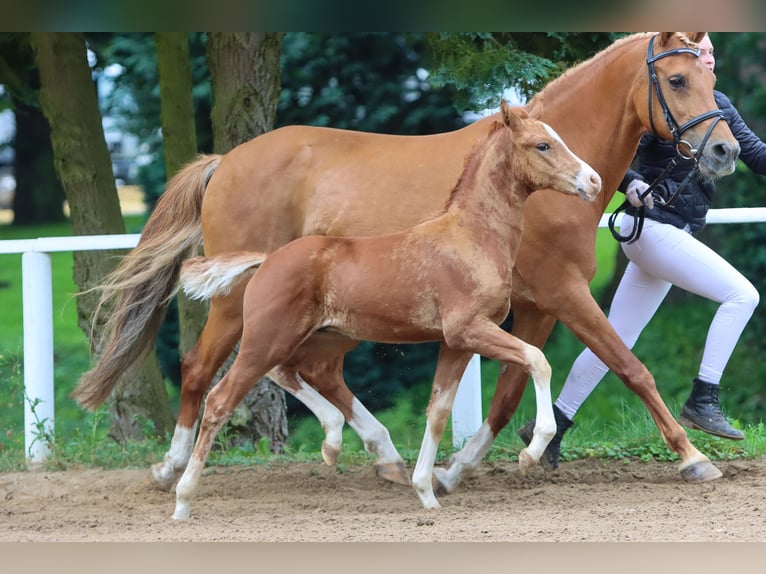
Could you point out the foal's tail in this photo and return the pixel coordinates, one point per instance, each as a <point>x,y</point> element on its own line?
<point>136,294</point>
<point>207,277</point>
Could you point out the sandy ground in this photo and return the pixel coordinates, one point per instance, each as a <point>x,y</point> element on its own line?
<point>587,500</point>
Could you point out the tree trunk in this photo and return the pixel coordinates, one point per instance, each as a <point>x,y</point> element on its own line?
<point>69,101</point>
<point>179,142</point>
<point>245,75</point>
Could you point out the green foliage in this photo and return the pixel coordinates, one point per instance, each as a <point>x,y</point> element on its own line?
<point>16,64</point>
<point>482,65</point>
<point>134,100</point>
<point>363,81</point>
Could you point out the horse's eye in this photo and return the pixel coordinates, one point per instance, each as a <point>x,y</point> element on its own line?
<point>677,82</point>
<point>543,146</point>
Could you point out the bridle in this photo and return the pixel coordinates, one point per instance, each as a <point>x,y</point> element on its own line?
<point>684,150</point>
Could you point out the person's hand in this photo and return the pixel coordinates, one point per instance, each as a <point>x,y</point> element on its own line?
<point>633,194</point>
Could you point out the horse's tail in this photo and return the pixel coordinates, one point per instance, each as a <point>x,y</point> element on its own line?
<point>207,277</point>
<point>140,288</point>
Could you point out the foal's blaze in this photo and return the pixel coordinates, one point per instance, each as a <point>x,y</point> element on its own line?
<point>401,287</point>
<point>305,180</point>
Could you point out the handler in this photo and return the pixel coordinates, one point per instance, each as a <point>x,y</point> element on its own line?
<point>666,254</point>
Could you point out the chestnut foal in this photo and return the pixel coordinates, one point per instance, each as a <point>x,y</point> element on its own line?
<point>447,279</point>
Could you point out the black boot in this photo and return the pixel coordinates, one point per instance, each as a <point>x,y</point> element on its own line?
<point>550,458</point>
<point>702,412</point>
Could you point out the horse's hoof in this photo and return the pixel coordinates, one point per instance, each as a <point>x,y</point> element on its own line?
<point>182,511</point>
<point>162,477</point>
<point>394,472</point>
<point>525,462</point>
<point>701,472</point>
<point>329,454</point>
<point>440,489</point>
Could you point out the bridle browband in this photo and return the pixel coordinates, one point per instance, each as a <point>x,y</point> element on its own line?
<point>676,131</point>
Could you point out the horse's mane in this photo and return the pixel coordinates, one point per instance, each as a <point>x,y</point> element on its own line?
<point>473,160</point>
<point>603,56</point>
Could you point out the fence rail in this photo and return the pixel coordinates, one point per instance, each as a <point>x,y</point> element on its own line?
<point>37,293</point>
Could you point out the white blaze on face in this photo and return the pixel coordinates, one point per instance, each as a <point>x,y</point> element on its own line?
<point>587,174</point>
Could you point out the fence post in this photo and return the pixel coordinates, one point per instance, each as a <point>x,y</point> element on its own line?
<point>466,410</point>
<point>37,289</point>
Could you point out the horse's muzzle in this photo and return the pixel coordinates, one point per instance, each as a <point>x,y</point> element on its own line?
<point>590,186</point>
<point>719,159</point>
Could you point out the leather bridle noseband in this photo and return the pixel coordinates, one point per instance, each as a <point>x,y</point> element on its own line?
<point>684,150</point>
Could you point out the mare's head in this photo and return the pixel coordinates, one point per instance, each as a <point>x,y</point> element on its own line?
<point>541,160</point>
<point>679,90</point>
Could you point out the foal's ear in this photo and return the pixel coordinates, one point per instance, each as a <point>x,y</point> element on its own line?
<point>511,118</point>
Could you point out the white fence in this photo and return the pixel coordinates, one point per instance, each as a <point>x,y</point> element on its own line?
<point>37,291</point>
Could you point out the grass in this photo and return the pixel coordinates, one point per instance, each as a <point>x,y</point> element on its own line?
<point>612,424</point>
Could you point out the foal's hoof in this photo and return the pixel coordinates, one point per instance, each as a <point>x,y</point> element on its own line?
<point>701,472</point>
<point>394,472</point>
<point>329,454</point>
<point>525,462</point>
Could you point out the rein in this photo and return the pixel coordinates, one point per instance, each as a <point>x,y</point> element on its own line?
<point>676,131</point>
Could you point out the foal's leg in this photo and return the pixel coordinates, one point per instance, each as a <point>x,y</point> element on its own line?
<point>320,363</point>
<point>513,378</point>
<point>219,405</point>
<point>219,336</point>
<point>449,370</point>
<point>329,416</point>
<point>258,354</point>
<point>488,340</point>
<point>327,377</point>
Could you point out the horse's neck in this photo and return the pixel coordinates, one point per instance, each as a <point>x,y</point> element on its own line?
<point>490,201</point>
<point>592,109</point>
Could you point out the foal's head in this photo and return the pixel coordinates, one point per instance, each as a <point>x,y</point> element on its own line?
<point>540,159</point>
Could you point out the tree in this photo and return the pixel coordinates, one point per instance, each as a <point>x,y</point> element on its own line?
<point>179,147</point>
<point>363,81</point>
<point>39,197</point>
<point>481,65</point>
<point>70,104</point>
<point>245,74</point>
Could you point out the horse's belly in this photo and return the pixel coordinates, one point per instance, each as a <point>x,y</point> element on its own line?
<point>389,322</point>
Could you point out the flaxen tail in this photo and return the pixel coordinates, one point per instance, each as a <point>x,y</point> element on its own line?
<point>136,294</point>
<point>207,277</point>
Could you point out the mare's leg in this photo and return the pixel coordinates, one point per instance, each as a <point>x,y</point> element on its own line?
<point>219,336</point>
<point>449,370</point>
<point>585,319</point>
<point>528,325</point>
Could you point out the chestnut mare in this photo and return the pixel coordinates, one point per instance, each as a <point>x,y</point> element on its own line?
<point>447,279</point>
<point>299,181</point>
